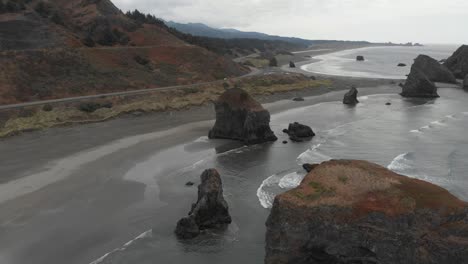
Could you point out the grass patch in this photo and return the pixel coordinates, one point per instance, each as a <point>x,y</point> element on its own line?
<point>320,191</point>
<point>343,179</point>
<point>177,99</point>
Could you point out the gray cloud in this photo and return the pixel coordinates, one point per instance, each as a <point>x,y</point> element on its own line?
<point>429,21</point>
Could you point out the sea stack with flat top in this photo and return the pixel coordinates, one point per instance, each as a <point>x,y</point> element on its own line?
<point>349,211</point>
<point>209,212</point>
<point>240,117</point>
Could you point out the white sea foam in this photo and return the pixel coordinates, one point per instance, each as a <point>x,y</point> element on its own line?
<point>416,131</point>
<point>312,156</point>
<point>265,197</point>
<point>438,122</point>
<point>401,163</point>
<point>291,180</point>
<point>405,164</point>
<point>146,234</point>
<point>203,139</point>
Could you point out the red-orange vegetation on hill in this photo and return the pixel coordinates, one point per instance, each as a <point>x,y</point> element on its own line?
<point>366,187</point>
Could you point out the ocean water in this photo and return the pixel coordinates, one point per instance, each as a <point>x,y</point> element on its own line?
<point>424,139</point>
<point>380,62</point>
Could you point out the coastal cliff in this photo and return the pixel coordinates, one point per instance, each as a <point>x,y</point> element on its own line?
<point>240,117</point>
<point>357,212</point>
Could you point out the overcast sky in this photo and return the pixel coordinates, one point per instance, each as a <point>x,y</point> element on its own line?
<point>426,21</point>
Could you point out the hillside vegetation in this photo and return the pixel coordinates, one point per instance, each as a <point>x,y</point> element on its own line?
<point>61,48</point>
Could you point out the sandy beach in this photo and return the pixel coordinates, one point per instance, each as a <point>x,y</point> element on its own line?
<point>55,175</point>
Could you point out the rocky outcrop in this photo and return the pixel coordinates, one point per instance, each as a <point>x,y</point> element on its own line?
<point>401,65</point>
<point>458,62</point>
<point>360,58</point>
<point>309,167</point>
<point>210,211</point>
<point>350,98</point>
<point>298,132</point>
<point>357,212</point>
<point>240,117</point>
<point>465,83</point>
<point>292,64</point>
<point>434,71</point>
<point>418,85</point>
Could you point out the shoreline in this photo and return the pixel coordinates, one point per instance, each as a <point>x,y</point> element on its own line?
<point>130,139</point>
<point>266,95</point>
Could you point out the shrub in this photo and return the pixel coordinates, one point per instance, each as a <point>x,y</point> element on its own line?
<point>92,107</point>
<point>141,60</point>
<point>42,8</point>
<point>273,62</point>
<point>57,18</point>
<point>88,41</point>
<point>88,107</point>
<point>47,108</point>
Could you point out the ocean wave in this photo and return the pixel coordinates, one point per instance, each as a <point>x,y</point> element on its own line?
<point>203,139</point>
<point>146,234</point>
<point>405,164</point>
<point>276,184</point>
<point>312,156</point>
<point>291,180</point>
<point>265,196</point>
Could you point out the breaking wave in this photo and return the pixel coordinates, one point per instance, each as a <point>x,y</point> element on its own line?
<point>146,234</point>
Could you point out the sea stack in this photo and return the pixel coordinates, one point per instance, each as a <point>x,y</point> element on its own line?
<point>360,58</point>
<point>434,71</point>
<point>210,211</point>
<point>240,117</point>
<point>298,132</point>
<point>458,62</point>
<point>350,98</point>
<point>418,85</point>
<point>292,64</point>
<point>349,211</point>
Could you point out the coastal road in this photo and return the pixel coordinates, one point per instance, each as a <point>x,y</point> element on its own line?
<point>134,92</point>
<point>254,72</point>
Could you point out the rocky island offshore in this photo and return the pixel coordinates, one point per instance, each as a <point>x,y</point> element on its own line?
<point>240,117</point>
<point>209,212</point>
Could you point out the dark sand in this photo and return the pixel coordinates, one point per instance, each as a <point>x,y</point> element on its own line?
<point>64,196</point>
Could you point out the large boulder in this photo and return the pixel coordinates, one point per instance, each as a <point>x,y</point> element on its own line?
<point>360,58</point>
<point>357,212</point>
<point>292,64</point>
<point>240,117</point>
<point>297,132</point>
<point>210,211</point>
<point>465,83</point>
<point>434,71</point>
<point>350,98</point>
<point>418,85</point>
<point>458,62</point>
